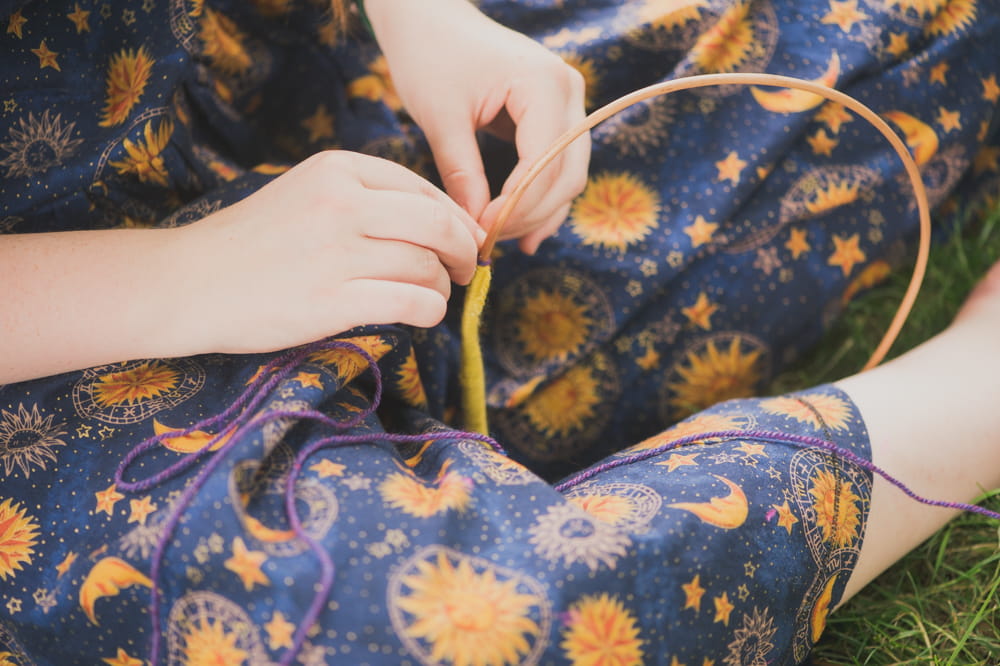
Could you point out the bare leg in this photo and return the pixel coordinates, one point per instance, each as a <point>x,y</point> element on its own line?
<point>933,416</point>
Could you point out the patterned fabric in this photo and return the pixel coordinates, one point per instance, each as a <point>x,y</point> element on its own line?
<point>719,232</point>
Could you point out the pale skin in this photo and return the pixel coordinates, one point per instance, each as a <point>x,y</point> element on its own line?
<point>365,241</point>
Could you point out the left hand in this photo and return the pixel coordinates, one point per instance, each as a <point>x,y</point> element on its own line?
<point>457,72</point>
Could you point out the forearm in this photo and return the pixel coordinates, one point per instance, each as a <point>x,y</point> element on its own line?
<point>72,300</point>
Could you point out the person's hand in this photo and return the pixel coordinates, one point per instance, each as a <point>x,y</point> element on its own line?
<point>456,72</point>
<point>340,240</point>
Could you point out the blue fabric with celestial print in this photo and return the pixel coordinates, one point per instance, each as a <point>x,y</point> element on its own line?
<point>720,231</point>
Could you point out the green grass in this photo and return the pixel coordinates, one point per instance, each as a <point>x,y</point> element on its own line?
<point>940,605</point>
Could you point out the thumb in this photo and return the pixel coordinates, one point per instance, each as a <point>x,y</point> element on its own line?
<point>460,164</point>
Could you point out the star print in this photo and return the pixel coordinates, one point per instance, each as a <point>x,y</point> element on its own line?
<point>83,431</point>
<point>938,73</point>
<point>246,564</point>
<point>821,143</point>
<point>898,44</point>
<point>15,24</point>
<point>80,18</point>
<point>649,360</point>
<point>844,14</point>
<point>730,168</point>
<point>723,608</point>
<point>749,569</point>
<point>106,432</point>
<point>724,458</point>
<point>141,508</point>
<point>128,17</point>
<point>308,379</point>
<point>752,449</point>
<point>797,243</point>
<point>648,267</point>
<point>319,124</point>
<point>786,518</point>
<point>106,499</point>
<point>693,592</point>
<point>847,253</point>
<point>834,115</point>
<point>106,10</point>
<point>148,5</point>
<point>701,231</point>
<point>634,288</point>
<point>767,260</point>
<point>743,592</point>
<point>991,89</point>
<point>396,538</point>
<point>987,159</point>
<point>679,460</point>
<point>674,662</point>
<point>911,75</point>
<point>122,659</point>
<point>279,631</point>
<point>763,172</point>
<point>949,120</point>
<point>66,563</point>
<point>46,57</point>
<point>773,472</point>
<point>327,468</point>
<point>675,259</point>
<point>700,314</point>
<point>13,605</point>
<point>44,599</point>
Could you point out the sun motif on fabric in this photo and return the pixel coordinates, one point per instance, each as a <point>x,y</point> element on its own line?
<point>468,617</point>
<point>145,158</point>
<point>601,631</point>
<point>552,326</point>
<point>566,403</point>
<point>615,210</point>
<point>566,532</point>
<point>696,425</point>
<point>835,504</point>
<point>128,74</point>
<point>27,439</point>
<point>670,14</point>
<point>149,379</point>
<point>38,144</point>
<point>715,375</point>
<point>753,641</point>
<point>348,362</point>
<point>449,492</point>
<point>409,383</point>
<point>609,508</point>
<point>955,16</point>
<point>921,7</point>
<point>836,193</point>
<point>728,43</point>
<point>224,44</point>
<point>207,643</point>
<point>18,538</point>
<point>833,410</point>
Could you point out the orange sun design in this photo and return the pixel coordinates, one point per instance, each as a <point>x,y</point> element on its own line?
<point>696,425</point>
<point>833,411</point>
<point>600,631</point>
<point>406,492</point>
<point>607,508</point>
<point>147,380</point>
<point>955,16</point>
<point>553,326</point>
<point>224,43</point>
<point>834,195</point>
<point>836,508</point>
<point>207,643</point>
<point>715,376</point>
<point>670,14</point>
<point>724,46</point>
<point>564,405</point>
<point>18,536</point>
<point>408,380</point>
<point>349,363</point>
<point>145,157</point>
<point>128,74</point>
<point>615,211</point>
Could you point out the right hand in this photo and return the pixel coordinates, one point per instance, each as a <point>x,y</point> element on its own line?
<point>340,240</point>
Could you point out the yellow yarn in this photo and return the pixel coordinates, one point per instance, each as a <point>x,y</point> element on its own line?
<point>472,373</point>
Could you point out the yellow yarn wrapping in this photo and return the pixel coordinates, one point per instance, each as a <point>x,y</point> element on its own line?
<point>472,373</point>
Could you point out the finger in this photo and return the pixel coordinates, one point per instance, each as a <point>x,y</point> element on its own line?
<point>428,224</point>
<point>397,261</point>
<point>388,302</point>
<point>459,162</point>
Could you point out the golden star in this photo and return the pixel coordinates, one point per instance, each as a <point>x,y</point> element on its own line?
<point>991,89</point>
<point>822,144</point>
<point>46,57</point>
<point>847,253</point>
<point>730,168</point>
<point>752,449</point>
<point>844,14</point>
<point>949,120</point>
<point>700,314</point>
<point>279,631</point>
<point>797,243</point>
<point>649,360</point>
<point>834,115</point>
<point>326,469</point>
<point>106,499</point>
<point>80,19</point>
<point>141,508</point>
<point>246,564</point>
<point>749,568</point>
<point>785,516</point>
<point>308,379</point>
<point>83,431</point>
<point>674,662</point>
<point>701,231</point>
<point>319,124</point>
<point>679,460</point>
<point>708,662</point>
<point>898,44</point>
<point>984,129</point>
<point>938,73</point>
<point>987,159</point>
<point>15,24</point>
<point>122,659</point>
<point>723,608</point>
<point>743,592</point>
<point>693,592</point>
<point>66,563</point>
